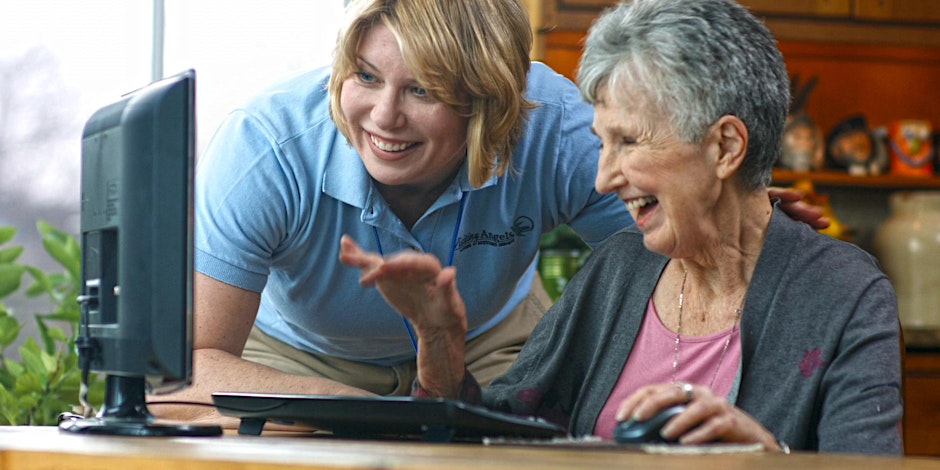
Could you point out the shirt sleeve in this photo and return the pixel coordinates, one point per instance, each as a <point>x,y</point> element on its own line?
<point>559,131</point>
<point>862,410</point>
<point>243,198</point>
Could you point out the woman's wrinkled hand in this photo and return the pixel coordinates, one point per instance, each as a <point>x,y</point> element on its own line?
<point>426,294</point>
<point>707,418</point>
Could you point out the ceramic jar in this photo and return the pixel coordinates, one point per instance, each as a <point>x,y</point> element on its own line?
<point>907,245</point>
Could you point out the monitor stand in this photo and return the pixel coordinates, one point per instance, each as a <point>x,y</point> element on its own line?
<point>125,414</point>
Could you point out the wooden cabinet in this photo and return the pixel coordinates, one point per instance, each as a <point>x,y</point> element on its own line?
<point>911,12</point>
<point>922,402</point>
<point>870,57</point>
<point>860,202</point>
<point>833,178</point>
<point>841,9</point>
<point>900,22</point>
<point>908,11</point>
<point>880,58</point>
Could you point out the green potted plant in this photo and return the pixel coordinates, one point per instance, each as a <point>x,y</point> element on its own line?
<point>562,254</point>
<point>45,379</point>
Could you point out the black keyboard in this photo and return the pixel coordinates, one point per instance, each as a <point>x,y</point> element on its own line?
<point>428,419</point>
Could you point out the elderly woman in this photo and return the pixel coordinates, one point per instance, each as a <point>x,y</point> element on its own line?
<point>769,331</point>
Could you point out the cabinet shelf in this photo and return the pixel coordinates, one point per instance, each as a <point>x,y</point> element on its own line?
<point>838,178</point>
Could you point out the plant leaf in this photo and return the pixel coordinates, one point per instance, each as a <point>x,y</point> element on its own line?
<point>9,255</point>
<point>7,233</point>
<point>43,381</point>
<point>62,247</point>
<point>41,282</point>
<point>57,334</point>
<point>10,329</point>
<point>26,385</point>
<point>10,277</point>
<point>47,342</point>
<point>33,358</point>
<point>14,367</point>
<point>8,408</point>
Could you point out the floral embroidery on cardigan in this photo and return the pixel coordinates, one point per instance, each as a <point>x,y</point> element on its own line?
<point>812,360</point>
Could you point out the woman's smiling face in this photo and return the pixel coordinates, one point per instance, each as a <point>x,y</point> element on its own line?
<point>404,136</point>
<point>667,184</point>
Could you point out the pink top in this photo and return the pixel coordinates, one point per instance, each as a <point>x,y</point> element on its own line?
<point>651,361</point>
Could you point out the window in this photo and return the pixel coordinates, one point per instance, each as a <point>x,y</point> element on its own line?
<point>251,44</point>
<point>60,60</point>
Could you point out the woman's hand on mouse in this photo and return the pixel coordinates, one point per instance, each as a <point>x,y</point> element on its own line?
<point>708,417</point>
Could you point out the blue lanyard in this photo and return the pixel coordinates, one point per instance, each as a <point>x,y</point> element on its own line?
<point>450,260</point>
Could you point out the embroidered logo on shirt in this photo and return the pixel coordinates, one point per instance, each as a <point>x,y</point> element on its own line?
<point>812,360</point>
<point>520,227</point>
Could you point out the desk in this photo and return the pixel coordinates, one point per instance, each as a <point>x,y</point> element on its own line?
<point>47,448</point>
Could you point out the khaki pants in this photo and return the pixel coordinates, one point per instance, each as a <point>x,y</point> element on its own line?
<point>488,355</point>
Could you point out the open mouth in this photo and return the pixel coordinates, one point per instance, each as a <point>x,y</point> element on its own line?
<point>386,146</point>
<point>641,207</point>
<point>640,202</point>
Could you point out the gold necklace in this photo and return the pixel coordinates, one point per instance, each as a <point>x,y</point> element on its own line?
<point>724,350</point>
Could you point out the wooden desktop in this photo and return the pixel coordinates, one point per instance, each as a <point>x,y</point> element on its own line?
<point>44,447</point>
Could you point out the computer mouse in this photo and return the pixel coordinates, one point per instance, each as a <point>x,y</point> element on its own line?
<point>647,431</point>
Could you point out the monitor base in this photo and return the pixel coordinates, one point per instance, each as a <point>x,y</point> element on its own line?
<point>125,414</point>
<point>142,427</point>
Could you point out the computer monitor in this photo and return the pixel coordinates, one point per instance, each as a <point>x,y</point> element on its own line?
<point>137,250</point>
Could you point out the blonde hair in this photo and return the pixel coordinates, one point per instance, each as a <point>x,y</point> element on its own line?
<point>471,55</point>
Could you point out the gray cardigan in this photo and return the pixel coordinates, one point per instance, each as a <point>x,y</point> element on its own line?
<point>820,365</point>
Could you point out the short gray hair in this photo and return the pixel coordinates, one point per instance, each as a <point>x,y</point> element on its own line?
<point>694,61</point>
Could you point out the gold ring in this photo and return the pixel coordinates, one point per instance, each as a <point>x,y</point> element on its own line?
<point>687,389</point>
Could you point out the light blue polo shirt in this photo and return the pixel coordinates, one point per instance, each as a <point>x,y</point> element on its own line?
<point>279,185</point>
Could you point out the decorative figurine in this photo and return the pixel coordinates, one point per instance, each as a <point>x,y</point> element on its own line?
<point>855,147</point>
<point>802,139</point>
<point>911,142</point>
